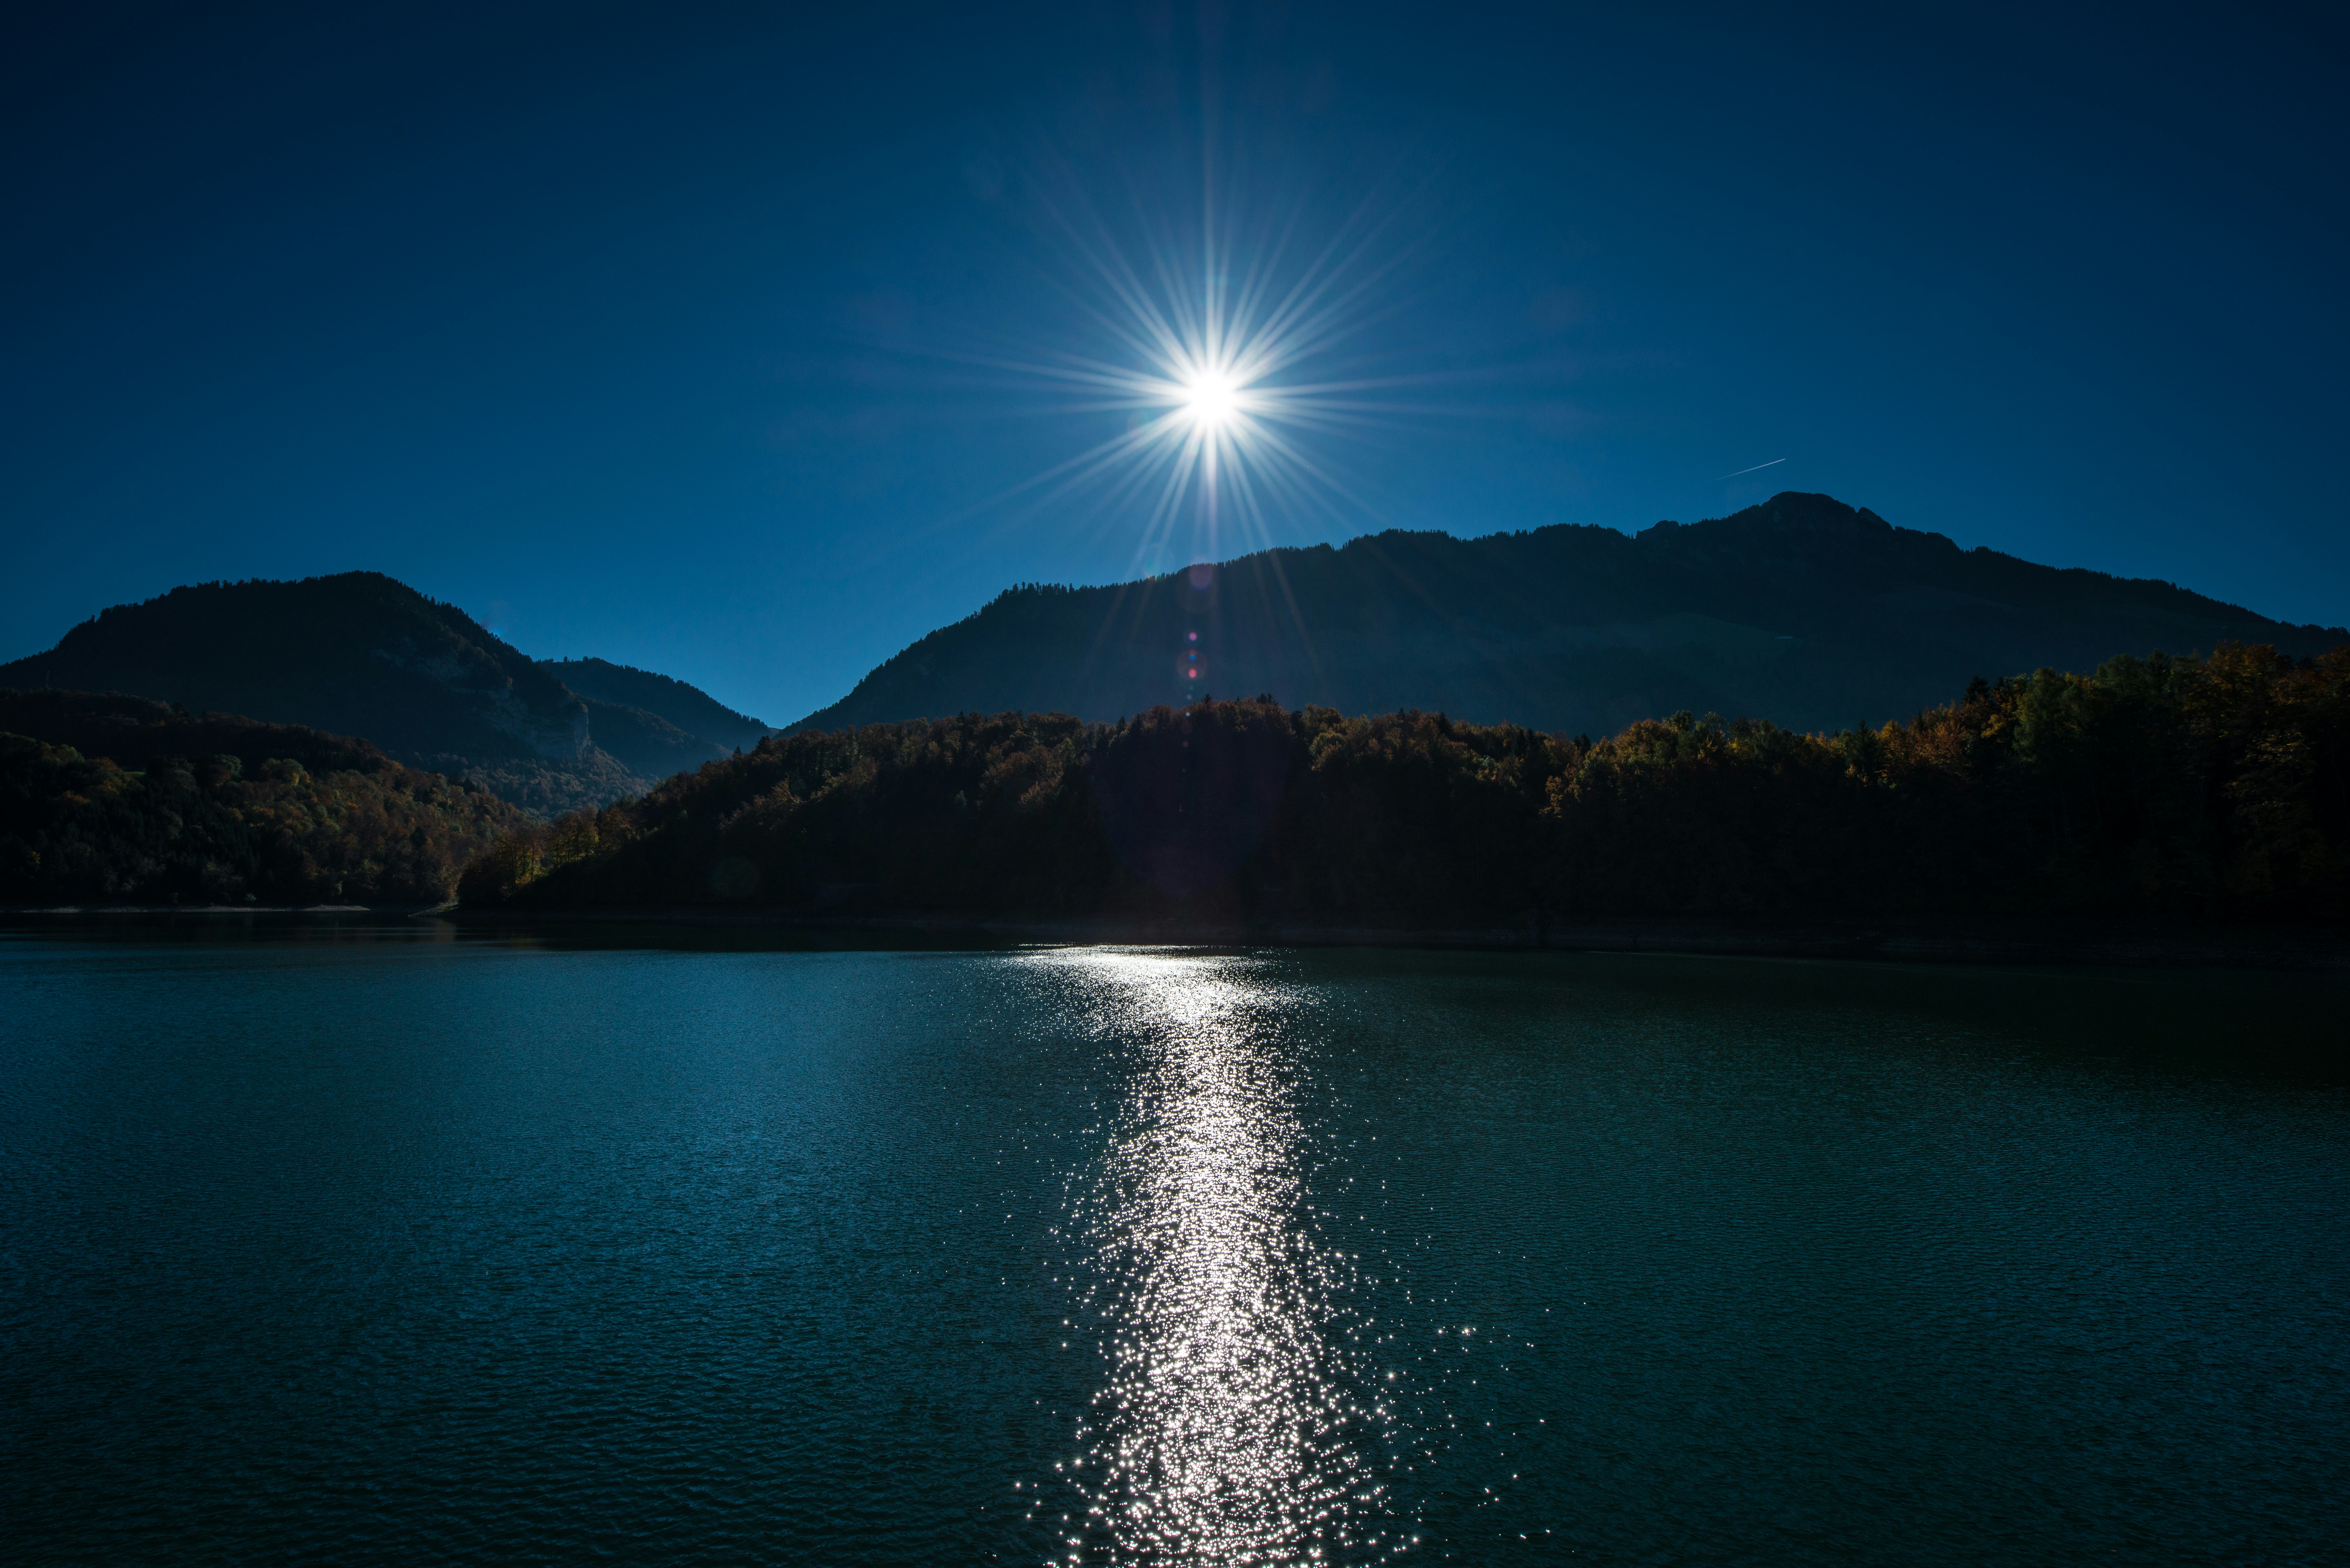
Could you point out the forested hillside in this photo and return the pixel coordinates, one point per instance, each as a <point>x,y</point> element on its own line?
<point>2212,789</point>
<point>1802,610</point>
<point>123,800</point>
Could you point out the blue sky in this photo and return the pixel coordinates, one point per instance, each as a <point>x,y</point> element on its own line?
<point>704,339</point>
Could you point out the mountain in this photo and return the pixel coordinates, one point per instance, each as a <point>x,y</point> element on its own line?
<point>1802,610</point>
<point>686,709</point>
<point>645,744</point>
<point>361,654</point>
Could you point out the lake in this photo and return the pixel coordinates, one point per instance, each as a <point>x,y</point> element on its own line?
<point>357,1245</point>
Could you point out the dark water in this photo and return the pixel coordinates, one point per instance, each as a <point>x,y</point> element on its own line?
<point>359,1250</point>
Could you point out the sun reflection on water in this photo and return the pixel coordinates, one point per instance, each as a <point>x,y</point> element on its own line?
<point>1228,1428</point>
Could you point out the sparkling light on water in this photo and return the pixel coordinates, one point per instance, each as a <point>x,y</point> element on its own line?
<point>385,1244</point>
<point>1232,1426</point>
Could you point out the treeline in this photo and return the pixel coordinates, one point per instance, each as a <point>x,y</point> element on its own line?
<point>131,729</point>
<point>213,808</point>
<point>2213,788</point>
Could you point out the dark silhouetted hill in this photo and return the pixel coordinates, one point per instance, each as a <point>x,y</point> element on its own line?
<point>355,654</point>
<point>1801,610</point>
<point>687,709</point>
<point>649,745</point>
<point>361,654</point>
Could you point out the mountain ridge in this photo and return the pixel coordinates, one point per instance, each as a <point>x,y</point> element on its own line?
<point>687,709</point>
<point>362,654</point>
<point>1802,610</point>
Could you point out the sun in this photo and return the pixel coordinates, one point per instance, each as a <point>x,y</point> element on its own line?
<point>1212,398</point>
<point>1220,361</point>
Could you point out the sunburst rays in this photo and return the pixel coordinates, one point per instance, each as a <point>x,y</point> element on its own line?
<point>1231,354</point>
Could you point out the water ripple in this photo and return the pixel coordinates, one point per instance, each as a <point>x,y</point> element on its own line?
<point>389,1253</point>
<point>1233,1424</point>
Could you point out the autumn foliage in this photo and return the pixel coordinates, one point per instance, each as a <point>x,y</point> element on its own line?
<point>291,815</point>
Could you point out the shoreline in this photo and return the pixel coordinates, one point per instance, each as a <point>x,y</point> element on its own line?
<point>77,911</point>
<point>2023,940</point>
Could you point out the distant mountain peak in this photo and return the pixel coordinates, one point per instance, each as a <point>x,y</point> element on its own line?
<point>688,707</point>
<point>362,654</point>
<point>1801,609</point>
<point>1788,516</point>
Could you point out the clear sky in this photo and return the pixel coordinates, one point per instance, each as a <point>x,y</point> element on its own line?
<point>714,341</point>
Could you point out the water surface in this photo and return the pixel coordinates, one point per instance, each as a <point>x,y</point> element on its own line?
<point>360,1246</point>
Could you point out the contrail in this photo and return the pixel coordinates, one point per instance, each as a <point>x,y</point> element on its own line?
<point>1756,469</point>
